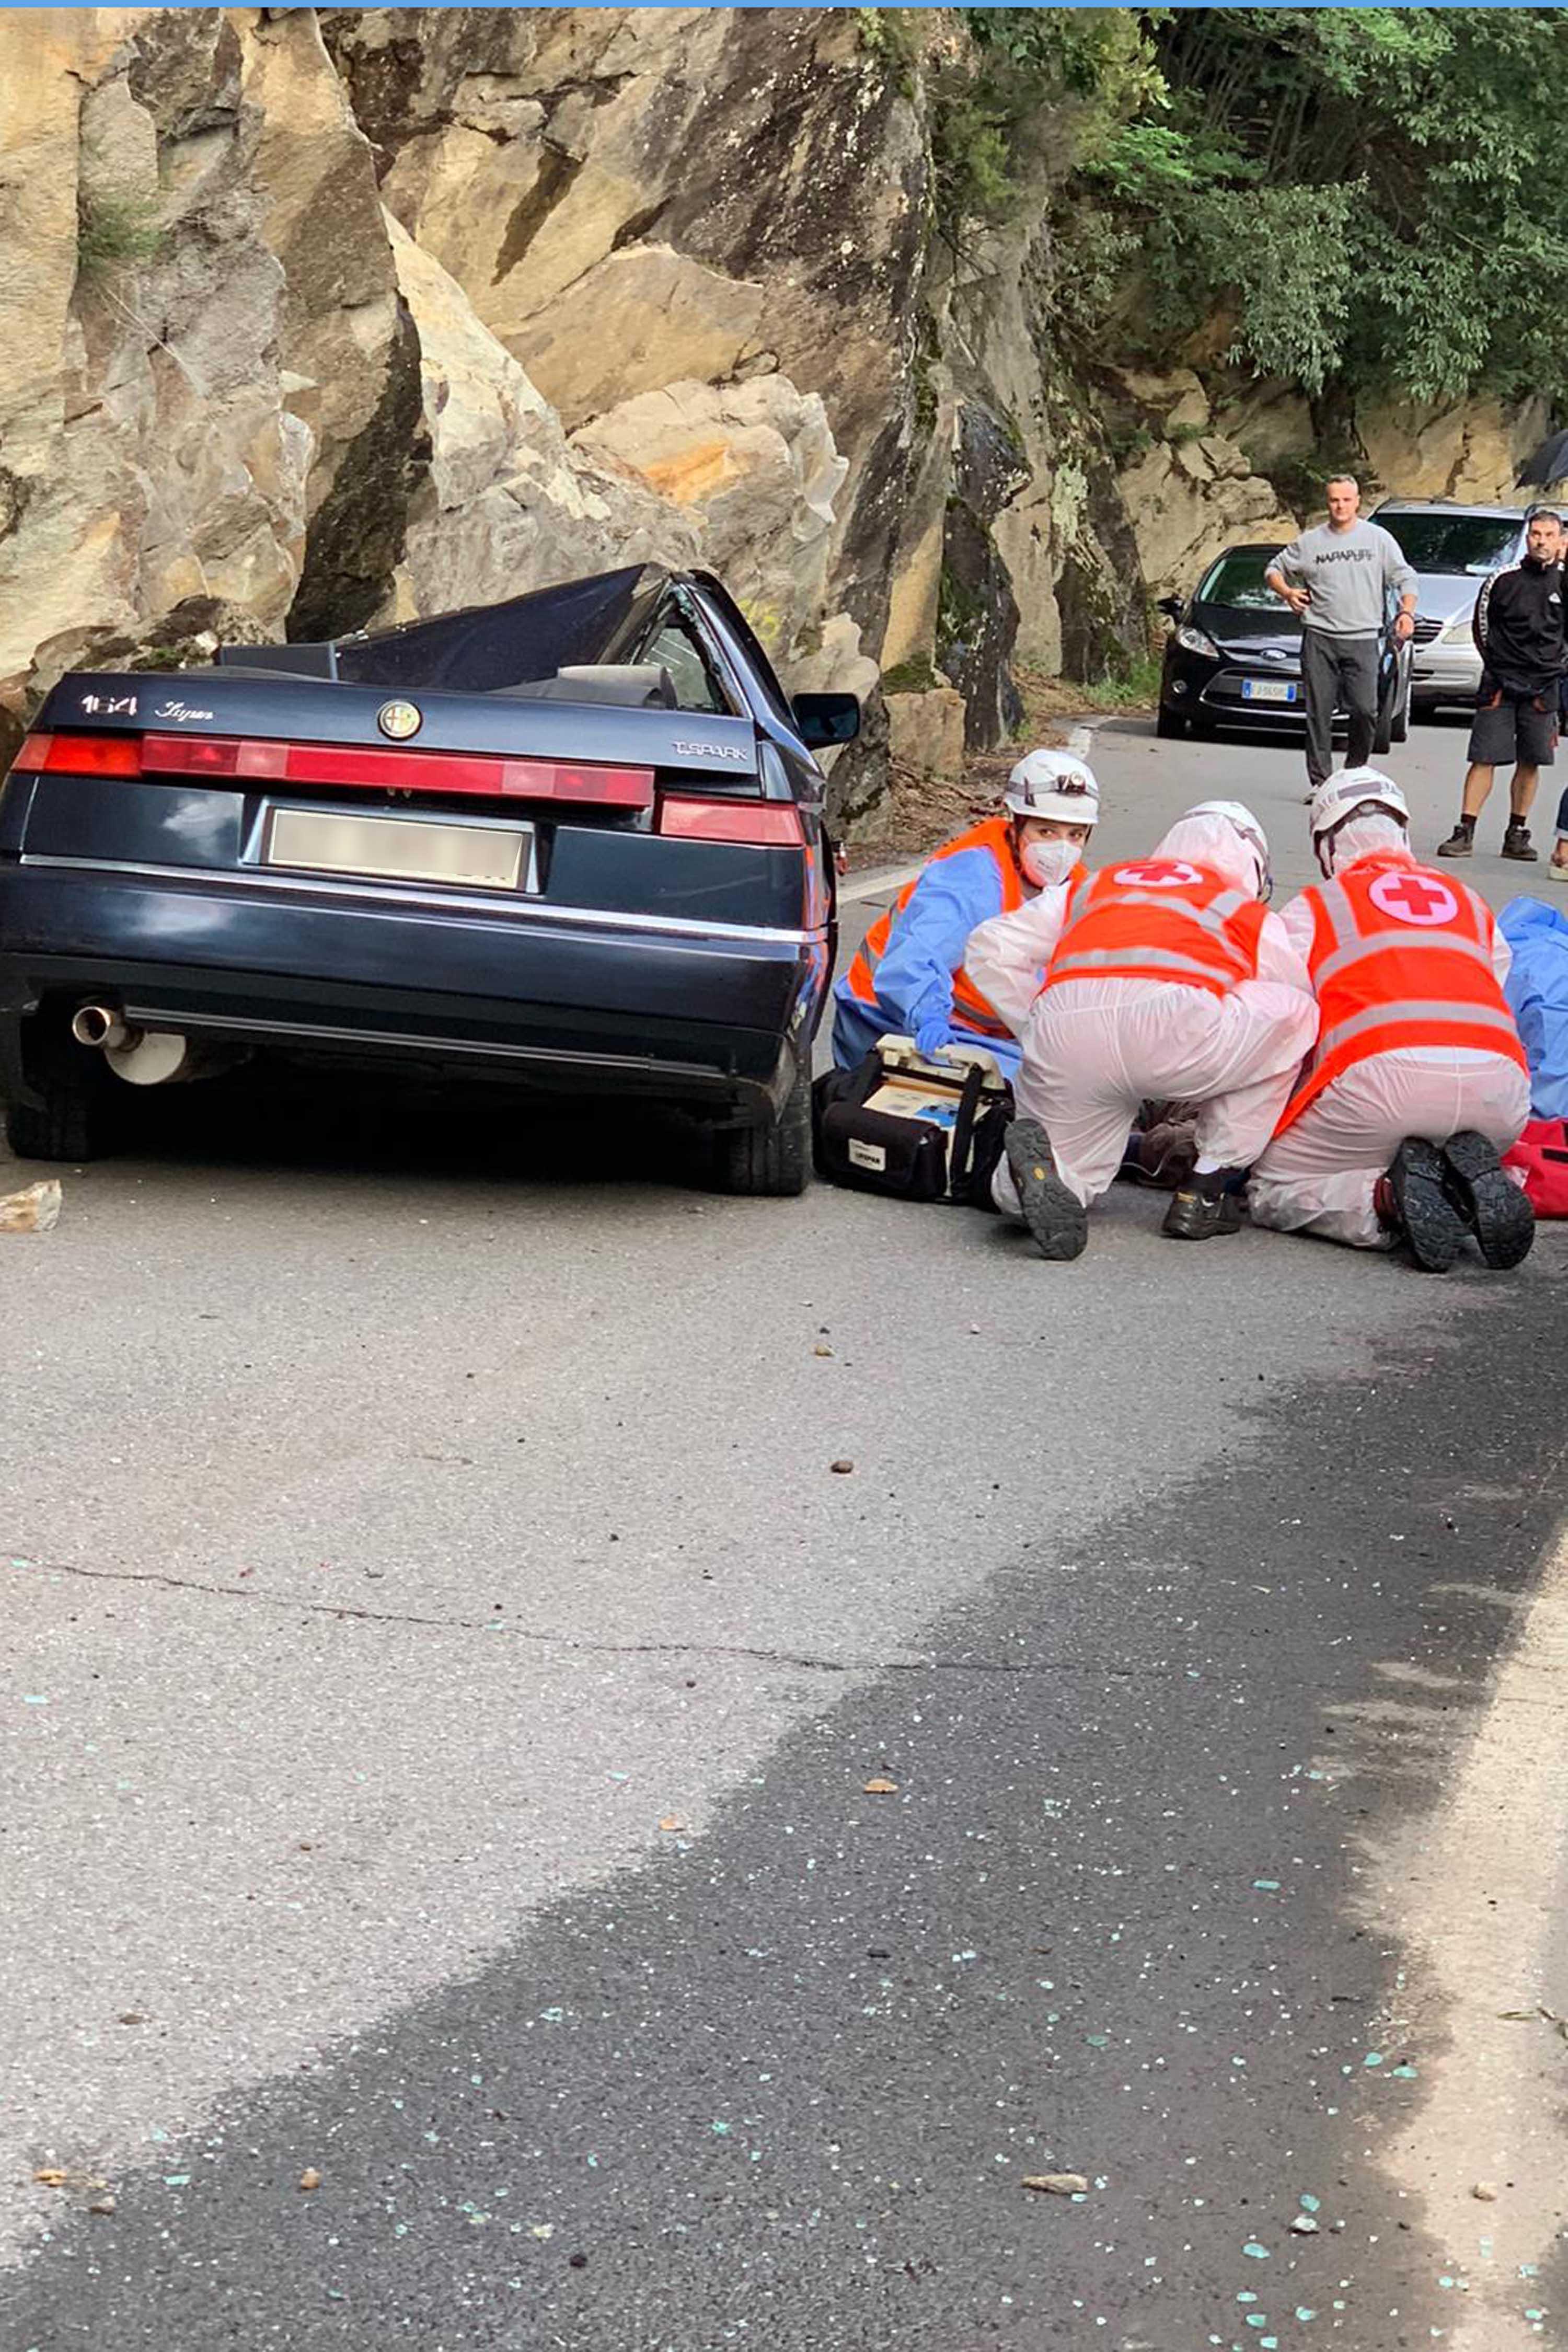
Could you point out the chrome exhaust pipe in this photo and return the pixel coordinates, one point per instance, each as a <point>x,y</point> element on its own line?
<point>96,1025</point>
<point>151,1057</point>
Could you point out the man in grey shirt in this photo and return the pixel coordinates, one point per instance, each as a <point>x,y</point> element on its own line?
<point>1338,578</point>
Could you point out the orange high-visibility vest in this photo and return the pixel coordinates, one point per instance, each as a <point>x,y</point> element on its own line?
<point>1400,956</point>
<point>969,1006</point>
<point>1158,919</point>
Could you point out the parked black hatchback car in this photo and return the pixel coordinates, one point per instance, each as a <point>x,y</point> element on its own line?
<point>573,842</point>
<point>1234,657</point>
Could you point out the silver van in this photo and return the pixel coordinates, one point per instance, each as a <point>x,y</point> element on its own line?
<point>1452,549</point>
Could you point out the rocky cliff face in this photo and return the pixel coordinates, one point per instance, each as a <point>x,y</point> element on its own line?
<point>316,319</point>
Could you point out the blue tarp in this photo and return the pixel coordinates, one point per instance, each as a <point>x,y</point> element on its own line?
<point>1537,993</point>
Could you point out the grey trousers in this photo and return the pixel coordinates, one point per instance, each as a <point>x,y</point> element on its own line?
<point>1338,669</point>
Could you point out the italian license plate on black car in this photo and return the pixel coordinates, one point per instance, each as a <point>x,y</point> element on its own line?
<point>405,849</point>
<point>1268,689</point>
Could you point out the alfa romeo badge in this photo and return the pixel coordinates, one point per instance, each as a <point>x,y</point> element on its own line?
<point>400,720</point>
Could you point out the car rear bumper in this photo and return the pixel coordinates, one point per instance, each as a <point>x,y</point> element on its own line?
<point>717,1017</point>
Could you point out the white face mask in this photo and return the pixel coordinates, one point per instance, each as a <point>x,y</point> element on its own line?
<point>1046,863</point>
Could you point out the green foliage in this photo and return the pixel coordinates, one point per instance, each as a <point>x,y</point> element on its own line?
<point>1382,192</point>
<point>1368,198</point>
<point>1036,90</point>
<point>116,231</point>
<point>914,677</point>
<point>888,36</point>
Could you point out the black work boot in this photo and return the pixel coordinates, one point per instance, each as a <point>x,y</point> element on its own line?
<point>1461,841</point>
<point>1479,1189</point>
<point>1055,1217</point>
<point>1201,1207</point>
<point>1422,1212</point>
<point>1516,842</point>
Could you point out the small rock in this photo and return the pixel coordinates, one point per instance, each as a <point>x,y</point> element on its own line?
<point>101,2205</point>
<point>51,2176</point>
<point>879,1788</point>
<point>310,2177</point>
<point>821,1348</point>
<point>1304,2225</point>
<point>841,1469</point>
<point>1056,2184</point>
<point>35,1210</point>
<point>132,2017</point>
<point>1485,2191</point>
<point>671,1822</point>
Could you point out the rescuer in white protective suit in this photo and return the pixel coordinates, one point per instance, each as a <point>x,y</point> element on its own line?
<point>1419,1079</point>
<point>1159,977</point>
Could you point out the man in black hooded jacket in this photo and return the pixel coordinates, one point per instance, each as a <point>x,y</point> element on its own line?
<point>1518,633</point>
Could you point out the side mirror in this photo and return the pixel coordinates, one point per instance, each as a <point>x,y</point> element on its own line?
<point>1171,606</point>
<point>826,719</point>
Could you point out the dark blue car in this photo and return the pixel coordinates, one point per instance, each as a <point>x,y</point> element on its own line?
<point>573,842</point>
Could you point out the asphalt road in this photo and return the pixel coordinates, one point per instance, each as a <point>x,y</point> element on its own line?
<point>443,1671</point>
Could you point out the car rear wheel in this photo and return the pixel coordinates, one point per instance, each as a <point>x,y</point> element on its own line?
<point>1169,723</point>
<point>74,1121</point>
<point>771,1161</point>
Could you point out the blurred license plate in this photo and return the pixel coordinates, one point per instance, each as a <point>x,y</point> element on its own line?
<point>475,857</point>
<point>1268,689</point>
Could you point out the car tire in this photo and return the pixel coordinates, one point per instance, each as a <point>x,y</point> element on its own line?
<point>1169,724</point>
<point>72,1121</point>
<point>1400,729</point>
<point>771,1161</point>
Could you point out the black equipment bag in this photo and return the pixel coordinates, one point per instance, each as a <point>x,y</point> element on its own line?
<point>943,1147</point>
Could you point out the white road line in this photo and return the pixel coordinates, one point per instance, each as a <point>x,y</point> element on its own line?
<point>878,882</point>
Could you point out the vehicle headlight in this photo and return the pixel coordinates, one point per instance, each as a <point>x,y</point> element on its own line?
<point>1196,642</point>
<point>1455,632</point>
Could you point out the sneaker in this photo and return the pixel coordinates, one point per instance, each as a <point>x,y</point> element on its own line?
<point>1055,1217</point>
<point>1461,841</point>
<point>1203,1207</point>
<point>1494,1208</point>
<point>1516,843</point>
<point>1423,1212</point>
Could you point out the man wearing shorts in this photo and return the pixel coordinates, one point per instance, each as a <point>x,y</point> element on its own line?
<point>1518,633</point>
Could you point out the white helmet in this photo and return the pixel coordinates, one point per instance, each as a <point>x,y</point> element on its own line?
<point>1353,791</point>
<point>1239,817</point>
<point>1054,784</point>
<point>1355,788</point>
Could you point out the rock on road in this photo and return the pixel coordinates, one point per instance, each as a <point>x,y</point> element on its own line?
<point>444,1674</point>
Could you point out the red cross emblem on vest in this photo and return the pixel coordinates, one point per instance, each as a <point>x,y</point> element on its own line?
<point>1170,873</point>
<point>1418,899</point>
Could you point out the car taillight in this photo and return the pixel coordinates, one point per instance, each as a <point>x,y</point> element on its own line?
<point>257,760</point>
<point>771,825</point>
<point>82,755</point>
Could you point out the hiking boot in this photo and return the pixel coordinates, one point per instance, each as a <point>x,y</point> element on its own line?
<point>1494,1208</point>
<point>1055,1217</point>
<point>1461,841</point>
<point>1516,842</point>
<point>1421,1210</point>
<point>1203,1207</point>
